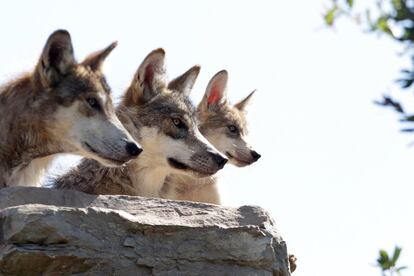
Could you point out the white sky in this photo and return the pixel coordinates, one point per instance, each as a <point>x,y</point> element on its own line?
<point>335,172</point>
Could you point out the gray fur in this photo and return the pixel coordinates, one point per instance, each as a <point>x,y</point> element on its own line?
<point>148,110</point>
<point>38,109</point>
<point>214,116</point>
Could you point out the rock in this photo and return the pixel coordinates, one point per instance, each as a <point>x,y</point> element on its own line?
<point>58,232</point>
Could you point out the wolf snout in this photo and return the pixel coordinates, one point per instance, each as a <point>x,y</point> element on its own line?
<point>132,149</point>
<point>255,155</point>
<point>219,159</point>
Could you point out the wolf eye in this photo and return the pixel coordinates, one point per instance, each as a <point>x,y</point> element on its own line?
<point>233,129</point>
<point>93,103</point>
<point>178,123</point>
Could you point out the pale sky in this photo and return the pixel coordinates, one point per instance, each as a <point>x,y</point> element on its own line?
<point>335,172</point>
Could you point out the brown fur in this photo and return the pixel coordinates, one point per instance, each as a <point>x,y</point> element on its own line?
<point>33,121</point>
<point>292,262</point>
<point>148,110</point>
<point>215,116</point>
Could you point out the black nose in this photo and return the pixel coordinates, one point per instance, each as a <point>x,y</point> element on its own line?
<point>220,160</point>
<point>255,155</point>
<point>133,149</point>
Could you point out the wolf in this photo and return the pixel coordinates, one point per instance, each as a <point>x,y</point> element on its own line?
<point>161,117</point>
<point>224,126</point>
<point>61,107</point>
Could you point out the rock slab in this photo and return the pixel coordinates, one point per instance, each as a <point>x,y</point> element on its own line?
<point>59,232</point>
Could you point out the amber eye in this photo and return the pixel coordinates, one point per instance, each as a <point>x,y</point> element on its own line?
<point>233,129</point>
<point>93,103</point>
<point>177,122</point>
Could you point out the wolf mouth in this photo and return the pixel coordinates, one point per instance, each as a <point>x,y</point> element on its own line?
<point>181,166</point>
<point>239,161</point>
<point>91,149</point>
<point>177,164</point>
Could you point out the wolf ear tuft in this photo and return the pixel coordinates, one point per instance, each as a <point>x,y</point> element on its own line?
<point>96,60</point>
<point>148,80</point>
<point>243,103</point>
<point>185,82</point>
<point>57,58</point>
<point>215,94</point>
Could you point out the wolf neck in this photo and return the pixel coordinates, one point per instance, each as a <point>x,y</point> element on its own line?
<point>147,180</point>
<point>24,155</point>
<point>30,175</point>
<point>147,173</point>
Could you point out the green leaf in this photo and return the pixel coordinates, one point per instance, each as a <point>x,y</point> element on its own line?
<point>396,255</point>
<point>384,255</point>
<point>382,25</point>
<point>406,119</point>
<point>350,3</point>
<point>383,260</point>
<point>331,15</point>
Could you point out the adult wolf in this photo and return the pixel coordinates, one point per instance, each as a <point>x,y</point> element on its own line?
<point>160,116</point>
<point>61,107</point>
<point>224,126</point>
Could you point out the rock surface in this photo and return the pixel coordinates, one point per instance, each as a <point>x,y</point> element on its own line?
<point>57,232</point>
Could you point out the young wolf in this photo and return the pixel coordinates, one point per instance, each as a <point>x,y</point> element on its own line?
<point>61,107</point>
<point>224,126</point>
<point>161,117</point>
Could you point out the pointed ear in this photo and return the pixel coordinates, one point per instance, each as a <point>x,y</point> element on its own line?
<point>96,60</point>
<point>185,82</point>
<point>57,58</point>
<point>148,80</point>
<point>215,94</point>
<point>243,103</point>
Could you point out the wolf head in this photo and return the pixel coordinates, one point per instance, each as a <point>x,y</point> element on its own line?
<point>224,125</point>
<point>161,117</point>
<point>82,118</point>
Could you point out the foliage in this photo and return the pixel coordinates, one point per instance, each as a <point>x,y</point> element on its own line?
<point>392,18</point>
<point>387,264</point>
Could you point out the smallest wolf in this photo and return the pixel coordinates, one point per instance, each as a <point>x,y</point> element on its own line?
<point>61,107</point>
<point>225,127</point>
